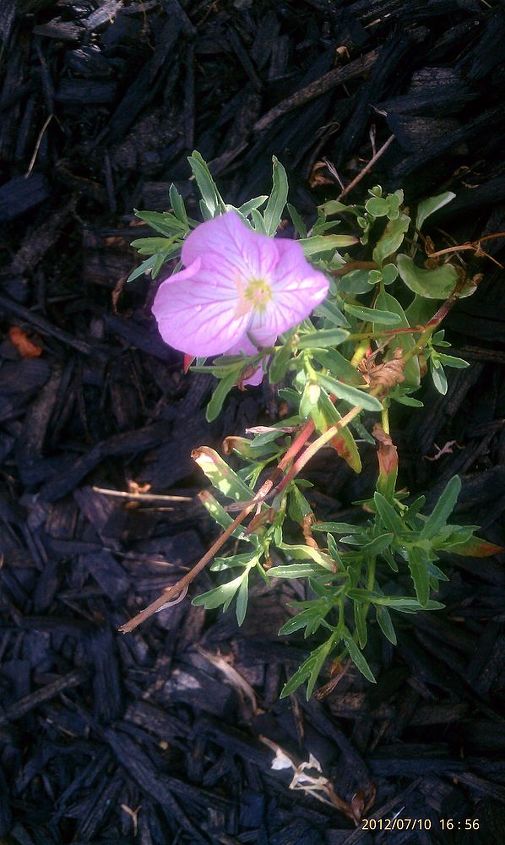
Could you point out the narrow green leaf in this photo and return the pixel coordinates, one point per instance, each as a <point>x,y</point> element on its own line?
<point>349,394</point>
<point>294,570</point>
<point>389,516</point>
<point>277,199</point>
<point>323,338</point>
<point>418,565</point>
<point>373,315</point>
<point>439,378</point>
<point>177,203</point>
<point>443,509</point>
<point>297,221</point>
<point>358,658</point>
<point>338,365</point>
<point>242,598</point>
<point>319,244</point>
<point>220,475</point>
<point>221,391</point>
<point>430,205</point>
<point>360,623</point>
<point>377,545</point>
<point>385,624</point>
<point>211,197</point>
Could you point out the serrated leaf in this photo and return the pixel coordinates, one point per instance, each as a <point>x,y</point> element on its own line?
<point>430,205</point>
<point>391,239</point>
<point>277,199</point>
<point>443,509</point>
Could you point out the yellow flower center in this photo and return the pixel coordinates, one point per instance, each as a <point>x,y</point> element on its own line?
<point>258,292</point>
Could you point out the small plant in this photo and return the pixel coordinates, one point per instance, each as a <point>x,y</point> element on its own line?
<point>344,340</point>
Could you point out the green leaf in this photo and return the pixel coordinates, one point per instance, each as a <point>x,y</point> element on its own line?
<point>338,366</point>
<point>373,315</point>
<point>360,623</point>
<point>277,199</point>
<point>377,545</point>
<point>385,624</point>
<point>221,391</point>
<point>358,658</point>
<point>146,267</point>
<point>310,670</point>
<point>220,475</point>
<point>430,205</point>
<point>389,516</point>
<point>405,342</point>
<point>377,207</point>
<point>443,509</point>
<point>163,222</point>
<point>326,415</point>
<point>475,547</point>
<point>354,283</point>
<point>323,338</point>
<point>332,314</point>
<point>177,203</point>
<point>252,205</point>
<point>349,394</point>
<point>211,197</point>
<point>389,273</point>
<point>438,283</point>
<point>452,361</point>
<point>297,221</point>
<point>439,377</point>
<point>337,527</point>
<point>391,239</point>
<point>279,364</point>
<point>302,552</point>
<point>294,570</point>
<point>319,244</point>
<point>223,518</point>
<point>222,595</point>
<point>242,598</point>
<point>418,564</point>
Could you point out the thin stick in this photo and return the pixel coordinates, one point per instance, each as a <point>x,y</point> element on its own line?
<point>142,497</point>
<point>37,145</point>
<point>357,179</point>
<point>174,592</point>
<point>475,245</point>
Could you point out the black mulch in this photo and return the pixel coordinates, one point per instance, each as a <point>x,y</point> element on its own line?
<point>155,737</point>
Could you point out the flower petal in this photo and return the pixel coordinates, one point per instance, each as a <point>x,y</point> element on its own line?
<point>195,316</point>
<point>226,245</point>
<point>297,289</point>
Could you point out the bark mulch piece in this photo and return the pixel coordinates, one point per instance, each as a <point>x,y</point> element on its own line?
<point>158,736</point>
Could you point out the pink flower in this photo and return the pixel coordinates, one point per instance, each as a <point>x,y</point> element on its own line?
<point>239,291</point>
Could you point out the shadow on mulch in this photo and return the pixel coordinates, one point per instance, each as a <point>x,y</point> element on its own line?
<point>155,737</point>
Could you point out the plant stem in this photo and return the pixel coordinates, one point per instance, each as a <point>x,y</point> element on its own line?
<point>385,419</point>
